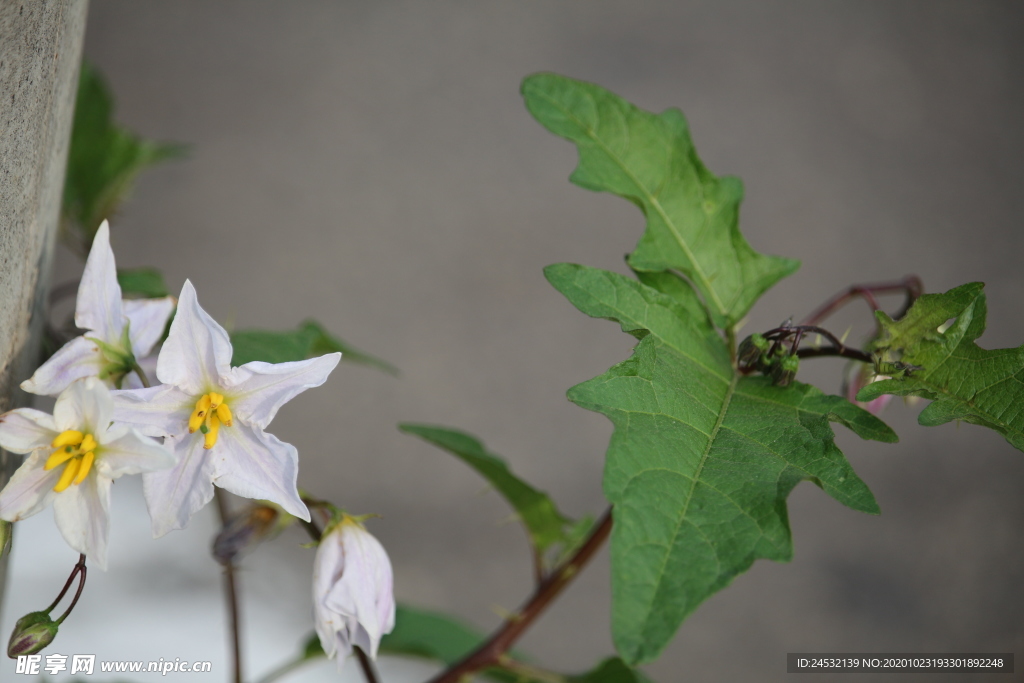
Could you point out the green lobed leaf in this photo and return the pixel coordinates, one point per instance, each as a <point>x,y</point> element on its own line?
<point>649,159</point>
<point>701,460</point>
<point>308,340</point>
<point>545,525</point>
<point>964,381</point>
<point>103,161</point>
<point>145,283</point>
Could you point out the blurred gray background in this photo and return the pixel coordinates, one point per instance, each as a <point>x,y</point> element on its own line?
<point>371,164</point>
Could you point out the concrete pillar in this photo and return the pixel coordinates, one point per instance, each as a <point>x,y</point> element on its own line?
<point>40,52</point>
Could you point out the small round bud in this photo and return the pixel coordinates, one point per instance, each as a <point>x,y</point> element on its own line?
<point>784,371</point>
<point>6,533</point>
<point>751,349</point>
<point>32,633</point>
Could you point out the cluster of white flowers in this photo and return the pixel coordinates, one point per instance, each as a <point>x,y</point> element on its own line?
<point>201,426</point>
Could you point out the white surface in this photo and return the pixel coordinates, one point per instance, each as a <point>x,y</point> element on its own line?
<point>161,598</point>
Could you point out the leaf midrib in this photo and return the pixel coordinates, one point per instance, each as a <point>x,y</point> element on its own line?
<point>726,401</point>
<point>653,201</point>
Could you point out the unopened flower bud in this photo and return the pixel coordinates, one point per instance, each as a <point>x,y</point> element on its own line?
<point>244,531</point>
<point>751,349</point>
<point>784,370</point>
<point>31,634</point>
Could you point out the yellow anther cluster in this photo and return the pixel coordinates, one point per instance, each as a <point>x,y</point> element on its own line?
<point>210,413</point>
<point>78,451</point>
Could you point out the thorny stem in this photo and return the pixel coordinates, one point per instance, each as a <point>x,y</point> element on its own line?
<point>231,593</point>
<point>911,285</point>
<point>369,671</point>
<point>79,569</point>
<point>492,652</point>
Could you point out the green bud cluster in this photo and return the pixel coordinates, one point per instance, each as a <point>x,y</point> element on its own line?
<point>755,353</point>
<point>32,633</point>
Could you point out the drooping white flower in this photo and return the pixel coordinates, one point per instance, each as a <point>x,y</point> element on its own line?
<point>353,590</point>
<point>118,332</point>
<point>75,455</point>
<point>213,416</point>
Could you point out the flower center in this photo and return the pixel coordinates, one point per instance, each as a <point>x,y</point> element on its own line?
<point>210,412</point>
<point>77,452</point>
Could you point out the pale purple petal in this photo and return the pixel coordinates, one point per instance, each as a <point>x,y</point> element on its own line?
<point>82,513</point>
<point>157,411</point>
<point>30,488</point>
<point>253,464</point>
<point>126,451</point>
<point>75,360</point>
<point>197,352</point>
<point>98,308</point>
<point>175,494</point>
<point>148,318</point>
<point>86,405</point>
<point>23,430</point>
<point>257,390</point>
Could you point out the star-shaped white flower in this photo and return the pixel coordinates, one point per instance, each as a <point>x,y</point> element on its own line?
<point>75,455</point>
<point>117,332</point>
<point>213,416</point>
<point>353,591</point>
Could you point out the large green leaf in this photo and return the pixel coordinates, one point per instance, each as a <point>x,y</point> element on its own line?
<point>702,459</point>
<point>432,635</point>
<point>649,159</point>
<point>103,161</point>
<point>544,523</point>
<point>965,381</point>
<point>308,340</point>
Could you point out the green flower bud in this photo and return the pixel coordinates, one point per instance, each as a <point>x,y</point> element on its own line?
<point>31,634</point>
<point>751,349</point>
<point>784,371</point>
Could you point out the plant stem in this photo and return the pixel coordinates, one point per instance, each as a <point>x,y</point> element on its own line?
<point>231,593</point>
<point>492,652</point>
<point>79,568</point>
<point>844,352</point>
<point>911,285</point>
<point>369,671</point>
<point>142,375</point>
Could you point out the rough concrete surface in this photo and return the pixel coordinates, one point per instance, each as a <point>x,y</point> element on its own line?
<point>371,163</point>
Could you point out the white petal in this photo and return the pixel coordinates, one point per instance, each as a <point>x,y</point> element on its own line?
<point>148,318</point>
<point>174,495</point>
<point>77,359</point>
<point>365,590</point>
<point>257,390</point>
<point>86,405</point>
<point>129,452</point>
<point>82,513</point>
<point>25,429</point>
<point>98,308</point>
<point>197,352</point>
<point>30,489</point>
<point>253,464</point>
<point>157,411</point>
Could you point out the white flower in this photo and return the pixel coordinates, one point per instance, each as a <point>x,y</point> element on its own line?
<point>117,332</point>
<point>213,416</point>
<point>353,591</point>
<point>75,455</point>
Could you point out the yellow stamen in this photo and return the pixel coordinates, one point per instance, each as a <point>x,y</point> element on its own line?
<point>88,444</point>
<point>59,457</point>
<point>224,414</point>
<point>209,414</point>
<point>199,414</point>
<point>69,473</point>
<point>68,437</point>
<point>210,438</point>
<point>84,466</point>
